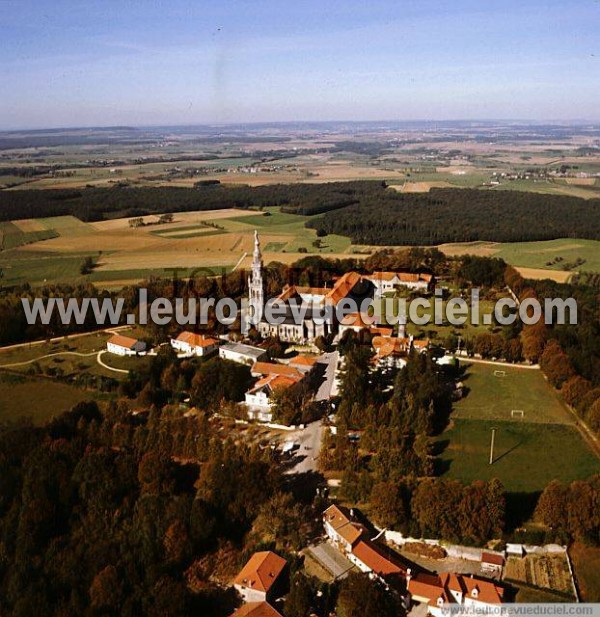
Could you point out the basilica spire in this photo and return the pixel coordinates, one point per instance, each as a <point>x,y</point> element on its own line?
<point>257,254</point>
<point>256,287</point>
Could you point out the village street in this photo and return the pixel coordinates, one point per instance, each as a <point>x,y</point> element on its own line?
<point>306,457</point>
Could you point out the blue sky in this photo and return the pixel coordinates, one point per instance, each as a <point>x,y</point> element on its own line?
<point>88,63</point>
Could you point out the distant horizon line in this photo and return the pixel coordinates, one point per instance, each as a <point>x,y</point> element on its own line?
<point>274,123</point>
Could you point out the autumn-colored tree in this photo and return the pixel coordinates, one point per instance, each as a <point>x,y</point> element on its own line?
<point>533,340</point>
<point>575,389</point>
<point>552,505</point>
<point>556,364</point>
<point>496,505</point>
<point>106,590</point>
<point>388,507</point>
<point>592,416</point>
<point>153,473</point>
<point>513,350</point>
<point>279,522</point>
<point>583,510</point>
<point>176,543</point>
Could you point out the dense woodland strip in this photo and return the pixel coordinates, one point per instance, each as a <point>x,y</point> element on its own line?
<point>367,211</point>
<point>95,204</point>
<point>462,215</point>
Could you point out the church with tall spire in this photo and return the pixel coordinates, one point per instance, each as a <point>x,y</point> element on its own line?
<point>256,287</point>
<point>293,325</point>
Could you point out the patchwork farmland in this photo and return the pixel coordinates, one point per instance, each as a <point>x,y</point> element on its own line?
<point>51,250</point>
<point>216,240</point>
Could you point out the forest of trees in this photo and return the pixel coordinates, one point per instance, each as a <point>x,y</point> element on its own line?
<point>461,215</point>
<point>107,513</point>
<point>366,211</point>
<point>572,511</point>
<point>94,204</point>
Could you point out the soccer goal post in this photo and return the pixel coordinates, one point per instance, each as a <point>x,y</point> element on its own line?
<point>517,413</point>
<point>499,373</point>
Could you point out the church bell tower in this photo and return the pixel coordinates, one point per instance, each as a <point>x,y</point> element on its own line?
<point>256,289</point>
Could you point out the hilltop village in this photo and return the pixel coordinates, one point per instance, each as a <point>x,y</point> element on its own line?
<point>309,376</point>
<point>354,466</point>
<point>307,368</point>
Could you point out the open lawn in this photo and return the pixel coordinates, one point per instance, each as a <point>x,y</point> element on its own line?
<point>68,357</point>
<point>490,397</point>
<point>527,455</point>
<point>529,451</point>
<point>37,399</point>
<point>13,236</point>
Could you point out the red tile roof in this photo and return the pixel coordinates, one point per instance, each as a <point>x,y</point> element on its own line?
<point>336,516</point>
<point>256,609</point>
<point>487,591</point>
<point>343,287</point>
<point>275,382</point>
<point>409,277</point>
<point>404,277</point>
<point>492,558</point>
<point>272,368</point>
<point>304,360</point>
<point>261,571</point>
<point>431,587</point>
<point>390,346</point>
<point>196,340</point>
<point>357,320</point>
<point>378,558</point>
<point>381,331</point>
<point>122,341</point>
<point>427,587</point>
<point>350,532</point>
<point>339,518</point>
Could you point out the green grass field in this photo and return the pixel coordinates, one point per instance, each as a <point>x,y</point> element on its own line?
<point>39,267</point>
<point>492,398</point>
<point>60,261</point>
<point>527,455</point>
<point>529,452</point>
<point>39,400</point>
<point>69,357</point>
<point>552,254</point>
<point>12,237</point>
<point>273,221</point>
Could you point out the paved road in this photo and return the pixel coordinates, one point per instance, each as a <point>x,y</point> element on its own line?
<point>331,559</point>
<point>307,456</point>
<point>327,389</point>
